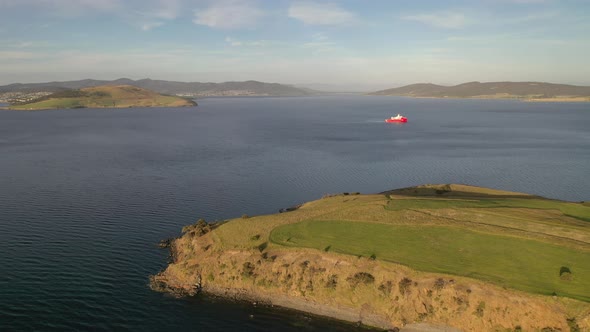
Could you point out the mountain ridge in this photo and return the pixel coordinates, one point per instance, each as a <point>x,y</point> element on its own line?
<point>518,90</point>
<point>192,89</point>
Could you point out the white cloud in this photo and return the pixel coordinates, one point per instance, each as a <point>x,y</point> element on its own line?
<point>538,16</point>
<point>229,14</point>
<point>448,20</point>
<point>66,8</point>
<point>24,44</point>
<point>16,55</point>
<point>146,14</point>
<point>154,14</point>
<point>233,42</point>
<point>166,9</point>
<point>319,36</point>
<point>151,25</point>
<point>255,43</point>
<point>527,1</point>
<point>315,13</point>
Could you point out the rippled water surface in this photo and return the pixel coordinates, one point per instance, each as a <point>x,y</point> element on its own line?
<point>86,194</point>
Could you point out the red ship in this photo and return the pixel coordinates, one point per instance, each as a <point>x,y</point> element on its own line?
<point>397,118</point>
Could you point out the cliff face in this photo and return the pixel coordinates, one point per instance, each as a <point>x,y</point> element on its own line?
<point>359,289</point>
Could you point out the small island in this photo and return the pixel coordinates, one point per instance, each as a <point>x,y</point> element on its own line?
<point>107,96</point>
<point>446,256</point>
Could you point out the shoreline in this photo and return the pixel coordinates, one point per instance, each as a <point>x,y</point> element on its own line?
<point>345,314</point>
<point>90,108</point>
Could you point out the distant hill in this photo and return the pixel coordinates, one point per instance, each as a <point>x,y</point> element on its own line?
<point>120,96</point>
<point>190,89</point>
<point>520,90</point>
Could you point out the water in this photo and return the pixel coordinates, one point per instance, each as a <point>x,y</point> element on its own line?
<point>86,194</point>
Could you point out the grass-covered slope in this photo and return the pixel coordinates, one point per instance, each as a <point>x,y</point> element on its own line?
<point>450,254</point>
<point>121,96</point>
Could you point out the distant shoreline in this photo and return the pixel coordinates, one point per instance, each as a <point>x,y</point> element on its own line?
<point>525,91</point>
<point>534,100</point>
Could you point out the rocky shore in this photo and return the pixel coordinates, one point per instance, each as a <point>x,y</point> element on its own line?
<point>358,290</point>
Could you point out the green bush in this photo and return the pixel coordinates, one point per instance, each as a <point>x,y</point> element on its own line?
<point>565,273</point>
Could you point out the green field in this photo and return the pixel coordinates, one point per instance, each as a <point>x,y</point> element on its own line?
<point>509,261</point>
<point>575,210</point>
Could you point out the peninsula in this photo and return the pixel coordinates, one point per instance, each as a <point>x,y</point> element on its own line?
<point>21,92</point>
<point>468,258</point>
<point>119,96</point>
<point>528,91</point>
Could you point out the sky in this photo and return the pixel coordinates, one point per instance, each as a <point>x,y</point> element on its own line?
<point>353,43</point>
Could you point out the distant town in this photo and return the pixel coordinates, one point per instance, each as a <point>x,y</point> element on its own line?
<point>21,97</point>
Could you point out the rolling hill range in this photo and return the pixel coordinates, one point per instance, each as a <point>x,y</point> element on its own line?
<point>519,90</point>
<point>120,96</point>
<point>191,89</point>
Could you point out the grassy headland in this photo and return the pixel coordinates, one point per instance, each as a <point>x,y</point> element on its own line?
<point>121,96</point>
<point>468,257</point>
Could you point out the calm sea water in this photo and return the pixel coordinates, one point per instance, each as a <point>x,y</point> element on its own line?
<point>86,194</point>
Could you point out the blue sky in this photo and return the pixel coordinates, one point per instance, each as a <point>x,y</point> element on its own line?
<point>370,43</point>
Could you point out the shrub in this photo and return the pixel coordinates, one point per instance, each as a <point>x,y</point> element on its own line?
<point>255,237</point>
<point>248,270</point>
<point>386,287</point>
<point>565,273</point>
<point>262,246</point>
<point>326,249</point>
<point>361,278</point>
<point>373,257</point>
<point>404,286</point>
<point>439,284</point>
<point>245,216</point>
<point>574,327</point>
<point>479,310</point>
<point>200,228</point>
